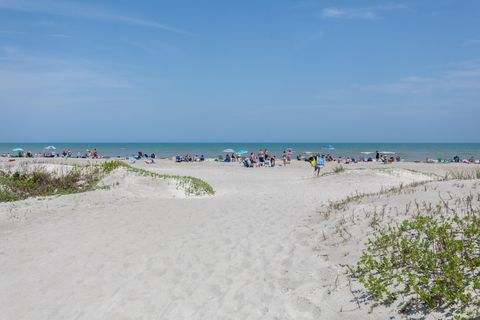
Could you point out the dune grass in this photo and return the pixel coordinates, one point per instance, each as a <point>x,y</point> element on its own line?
<point>38,182</point>
<point>191,185</point>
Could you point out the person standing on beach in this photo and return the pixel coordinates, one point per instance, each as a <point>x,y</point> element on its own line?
<point>319,162</point>
<point>261,157</point>
<point>377,155</point>
<point>289,156</point>
<point>284,158</point>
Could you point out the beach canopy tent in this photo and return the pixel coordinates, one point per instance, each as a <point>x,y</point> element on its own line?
<point>328,147</point>
<point>17,152</point>
<point>229,151</point>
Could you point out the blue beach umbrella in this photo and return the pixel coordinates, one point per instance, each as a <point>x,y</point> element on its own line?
<point>328,147</point>
<point>242,152</point>
<point>17,152</point>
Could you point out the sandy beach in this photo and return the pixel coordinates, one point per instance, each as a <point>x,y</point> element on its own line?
<point>267,245</point>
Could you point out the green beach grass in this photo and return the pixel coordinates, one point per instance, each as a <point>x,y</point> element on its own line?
<point>38,182</point>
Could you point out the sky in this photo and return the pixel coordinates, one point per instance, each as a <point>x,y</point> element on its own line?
<point>244,71</point>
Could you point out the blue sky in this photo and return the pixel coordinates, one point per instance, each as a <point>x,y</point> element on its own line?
<point>304,70</point>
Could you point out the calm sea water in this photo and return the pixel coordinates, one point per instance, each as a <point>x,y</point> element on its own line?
<point>407,151</point>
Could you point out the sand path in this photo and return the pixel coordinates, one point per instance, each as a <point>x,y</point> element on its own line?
<point>128,253</point>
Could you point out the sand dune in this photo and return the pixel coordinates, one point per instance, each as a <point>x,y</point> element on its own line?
<point>263,247</point>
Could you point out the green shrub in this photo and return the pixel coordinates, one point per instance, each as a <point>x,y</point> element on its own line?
<point>430,262</point>
<point>109,166</point>
<point>338,169</point>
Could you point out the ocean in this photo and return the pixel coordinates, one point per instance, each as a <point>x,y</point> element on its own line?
<point>407,151</point>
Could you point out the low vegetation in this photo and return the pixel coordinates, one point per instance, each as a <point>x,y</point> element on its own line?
<point>431,262</point>
<point>37,181</point>
<point>20,185</point>
<point>464,175</point>
<point>428,263</point>
<point>338,169</point>
<point>191,185</point>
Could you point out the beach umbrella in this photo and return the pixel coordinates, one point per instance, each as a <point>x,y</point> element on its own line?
<point>242,152</point>
<point>290,150</point>
<point>229,151</point>
<point>50,148</point>
<point>17,150</point>
<point>328,147</point>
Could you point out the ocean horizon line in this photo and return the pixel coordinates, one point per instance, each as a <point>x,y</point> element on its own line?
<point>239,142</point>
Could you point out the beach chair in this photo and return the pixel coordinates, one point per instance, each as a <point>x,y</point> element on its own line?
<point>247,163</point>
<point>178,159</point>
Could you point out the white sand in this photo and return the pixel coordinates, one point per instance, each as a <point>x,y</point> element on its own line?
<point>254,250</point>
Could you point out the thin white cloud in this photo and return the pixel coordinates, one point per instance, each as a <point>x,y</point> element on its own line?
<point>11,32</point>
<point>81,11</point>
<point>359,12</point>
<point>8,51</point>
<point>309,40</point>
<point>462,76</point>
<point>417,79</point>
<point>30,82</point>
<point>59,35</point>
<point>470,42</point>
<point>348,13</point>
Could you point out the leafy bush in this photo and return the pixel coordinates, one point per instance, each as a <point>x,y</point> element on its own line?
<point>431,262</point>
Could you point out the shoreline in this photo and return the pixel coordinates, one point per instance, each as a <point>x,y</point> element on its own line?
<point>409,152</point>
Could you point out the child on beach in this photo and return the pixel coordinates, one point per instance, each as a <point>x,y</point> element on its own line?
<point>319,162</point>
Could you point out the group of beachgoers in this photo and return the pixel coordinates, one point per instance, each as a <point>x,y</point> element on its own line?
<point>263,158</point>
<point>189,158</point>
<point>347,160</point>
<point>455,159</point>
<point>260,159</point>
<point>51,153</point>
